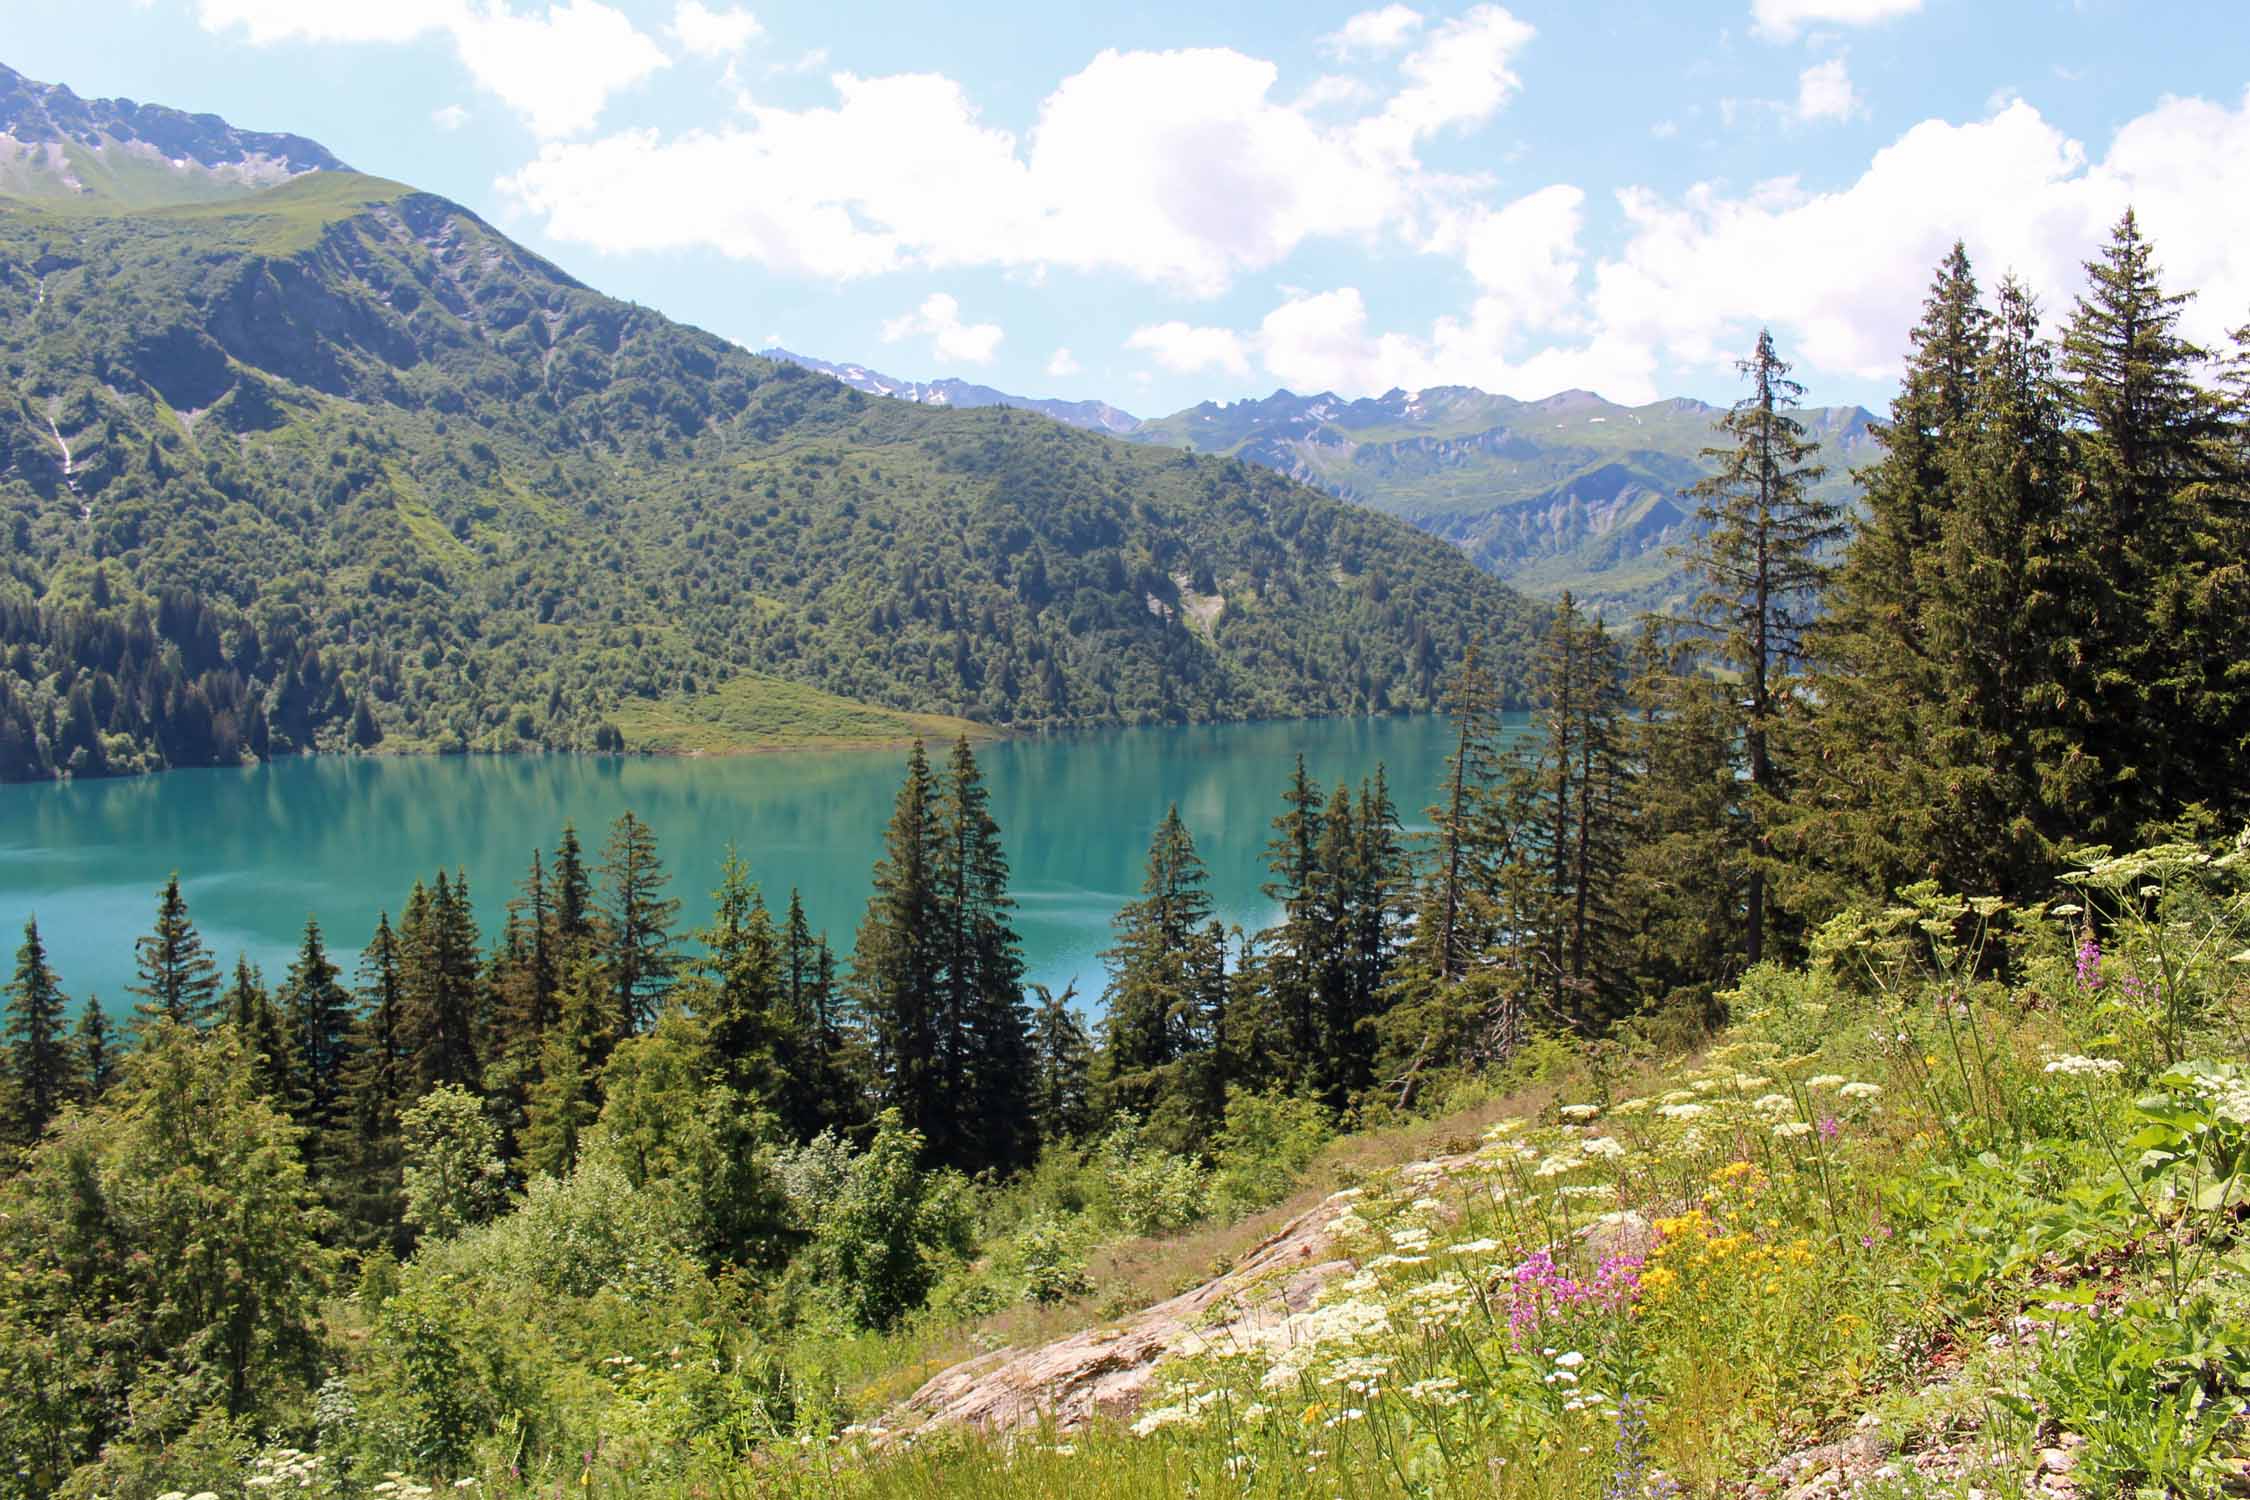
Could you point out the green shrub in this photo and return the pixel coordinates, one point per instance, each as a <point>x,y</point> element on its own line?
<point>1264,1146</point>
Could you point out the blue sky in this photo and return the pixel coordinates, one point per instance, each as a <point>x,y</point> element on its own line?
<point>1161,203</point>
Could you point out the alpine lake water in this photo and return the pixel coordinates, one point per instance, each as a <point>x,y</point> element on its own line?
<point>343,838</point>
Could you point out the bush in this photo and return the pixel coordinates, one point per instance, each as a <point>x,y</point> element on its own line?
<point>1264,1146</point>
<point>1150,1191</point>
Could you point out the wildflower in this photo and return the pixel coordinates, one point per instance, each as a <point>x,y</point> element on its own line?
<point>1475,1247</point>
<point>1860,1090</point>
<point>1602,1146</point>
<point>1411,1238</point>
<point>2085,1067</point>
<point>1555,1166</point>
<point>1579,1111</point>
<point>2090,963</point>
<point>1830,1127</point>
<point>1790,1130</point>
<point>1684,1111</point>
<point>1570,1361</point>
<point>1826,1081</point>
<point>1773,1104</point>
<point>1500,1130</point>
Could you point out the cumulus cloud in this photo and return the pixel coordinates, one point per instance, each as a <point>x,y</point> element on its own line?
<point>1460,76</point>
<point>939,319</point>
<point>1373,32</point>
<point>713,33</point>
<point>556,65</point>
<point>1174,167</point>
<point>1825,92</point>
<point>1186,350</point>
<point>1839,275</point>
<point>449,117</point>
<point>1062,363</point>
<point>1782,20</point>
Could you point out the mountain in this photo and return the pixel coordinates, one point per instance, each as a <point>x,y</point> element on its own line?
<point>333,462</point>
<point>1094,416</point>
<point>1570,492</point>
<point>57,147</point>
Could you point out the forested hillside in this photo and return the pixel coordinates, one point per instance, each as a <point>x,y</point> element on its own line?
<point>334,464</point>
<point>1568,494</point>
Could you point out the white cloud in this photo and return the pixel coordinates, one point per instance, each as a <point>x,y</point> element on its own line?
<point>1174,167</point>
<point>1664,130</point>
<point>555,66</point>
<point>1782,20</point>
<point>556,70</point>
<point>939,319</point>
<point>1825,92</point>
<point>449,117</point>
<point>1841,274</point>
<point>1187,350</point>
<point>808,62</point>
<point>1062,363</point>
<point>713,33</point>
<point>1373,32</point>
<point>1460,76</point>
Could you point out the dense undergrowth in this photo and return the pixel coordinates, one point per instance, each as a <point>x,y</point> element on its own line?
<point>1968,1181</point>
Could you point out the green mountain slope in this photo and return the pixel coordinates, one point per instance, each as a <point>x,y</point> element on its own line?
<point>337,463</point>
<point>1571,492</point>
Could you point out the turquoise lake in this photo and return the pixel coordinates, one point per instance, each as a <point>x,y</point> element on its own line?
<point>344,838</point>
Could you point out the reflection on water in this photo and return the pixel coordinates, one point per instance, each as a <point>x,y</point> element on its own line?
<point>258,849</point>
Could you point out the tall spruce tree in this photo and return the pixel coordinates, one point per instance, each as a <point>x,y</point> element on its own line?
<point>1578,831</point>
<point>1760,557</point>
<point>367,1188</point>
<point>437,946</point>
<point>1167,988</point>
<point>39,1070</point>
<point>94,1056</point>
<point>1288,1030</point>
<point>984,1044</point>
<point>895,972</point>
<point>2160,688</point>
<point>637,922</point>
<point>1686,866</point>
<point>1061,1068</point>
<point>318,1012</point>
<point>1873,806</point>
<point>737,992</point>
<point>178,979</point>
<point>830,1094</point>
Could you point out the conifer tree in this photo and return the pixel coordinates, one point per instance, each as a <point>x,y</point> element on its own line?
<point>39,1068</point>
<point>94,1058</point>
<point>2158,620</point>
<point>830,1092</point>
<point>1578,831</point>
<point>318,1012</point>
<point>737,993</point>
<point>985,1050</point>
<point>367,1189</point>
<point>437,946</point>
<point>1760,558</point>
<point>637,923</point>
<point>1686,868</point>
<point>1061,1068</point>
<point>263,1034</point>
<point>1167,987</point>
<point>895,961</point>
<point>567,1099</point>
<point>574,917</point>
<point>179,981</point>
<point>1289,1024</point>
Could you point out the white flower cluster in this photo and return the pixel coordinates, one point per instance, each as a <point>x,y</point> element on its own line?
<point>1790,1130</point>
<point>1684,1111</point>
<point>1579,1112</point>
<point>1860,1090</point>
<point>2075,1066</point>
<point>1604,1146</point>
<point>283,1469</point>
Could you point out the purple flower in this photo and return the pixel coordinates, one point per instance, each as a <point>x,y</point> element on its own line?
<point>1830,1127</point>
<point>2090,963</point>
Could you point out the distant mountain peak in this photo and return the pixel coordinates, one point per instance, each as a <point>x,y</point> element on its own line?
<point>56,145</point>
<point>1094,416</point>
